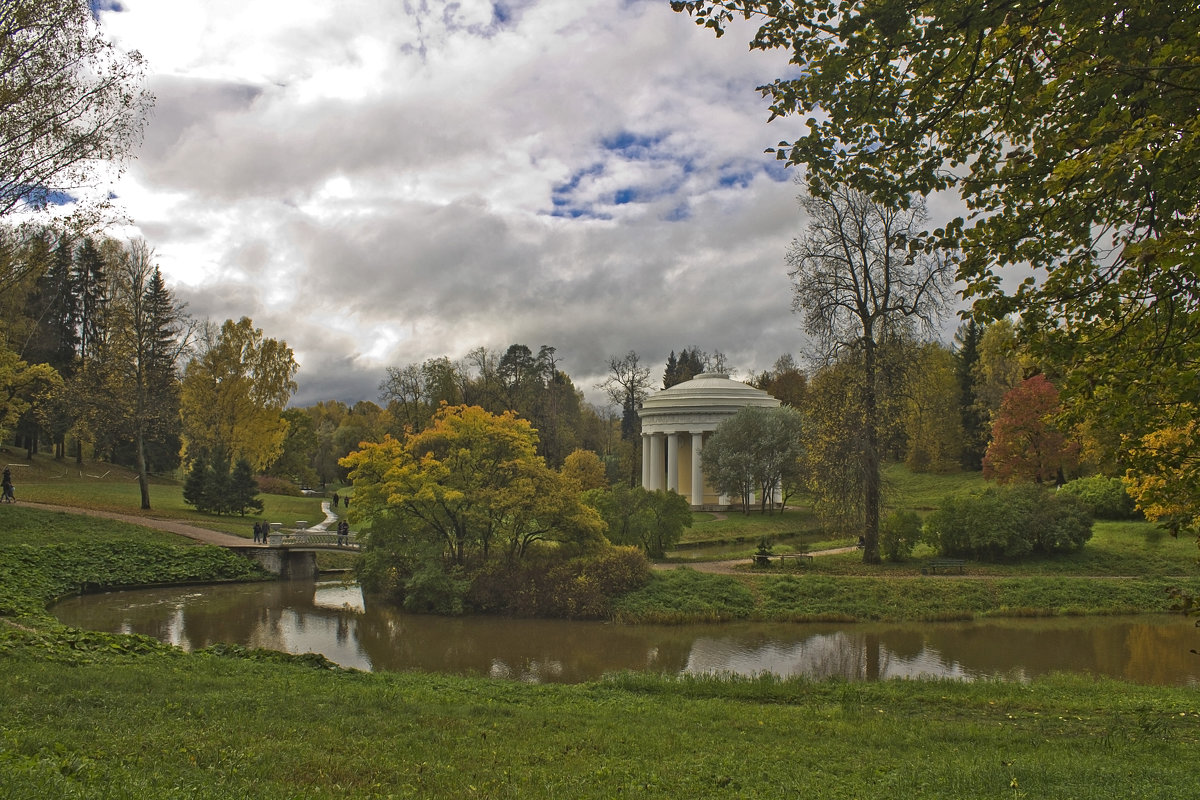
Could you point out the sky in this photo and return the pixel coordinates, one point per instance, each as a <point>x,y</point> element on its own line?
<point>379,182</point>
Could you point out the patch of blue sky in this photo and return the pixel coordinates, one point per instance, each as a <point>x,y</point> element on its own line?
<point>566,197</point>
<point>41,197</point>
<point>105,5</point>
<point>634,146</point>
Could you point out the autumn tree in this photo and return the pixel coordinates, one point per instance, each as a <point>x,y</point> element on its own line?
<point>785,381</point>
<point>1026,444</point>
<point>585,470</point>
<point>472,485</point>
<point>932,413</point>
<point>71,103</point>
<point>858,284</point>
<point>24,388</point>
<point>234,392</point>
<point>1165,481</point>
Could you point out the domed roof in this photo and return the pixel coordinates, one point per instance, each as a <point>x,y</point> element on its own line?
<point>699,404</point>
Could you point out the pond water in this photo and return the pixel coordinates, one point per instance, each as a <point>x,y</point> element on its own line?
<point>331,619</point>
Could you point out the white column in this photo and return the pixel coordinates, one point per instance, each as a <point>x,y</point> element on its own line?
<point>697,472</point>
<point>673,462</point>
<point>657,467</point>
<point>645,461</point>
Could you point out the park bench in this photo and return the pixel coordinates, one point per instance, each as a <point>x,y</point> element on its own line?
<point>944,564</point>
<point>764,559</point>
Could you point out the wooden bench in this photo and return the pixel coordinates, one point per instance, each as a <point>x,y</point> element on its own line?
<point>764,560</point>
<point>945,564</point>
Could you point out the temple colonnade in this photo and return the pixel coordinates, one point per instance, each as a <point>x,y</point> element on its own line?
<point>675,425</point>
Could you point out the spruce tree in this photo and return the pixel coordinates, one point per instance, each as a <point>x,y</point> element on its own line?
<point>243,489</point>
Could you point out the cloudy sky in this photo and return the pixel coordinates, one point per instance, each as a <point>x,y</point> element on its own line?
<point>378,182</point>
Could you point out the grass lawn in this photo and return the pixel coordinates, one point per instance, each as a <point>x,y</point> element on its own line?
<point>109,488</point>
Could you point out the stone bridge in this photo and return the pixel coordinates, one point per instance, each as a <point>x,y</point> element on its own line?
<point>292,552</point>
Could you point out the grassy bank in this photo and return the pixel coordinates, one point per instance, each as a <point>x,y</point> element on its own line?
<point>100,725</point>
<point>105,487</point>
<point>91,715</point>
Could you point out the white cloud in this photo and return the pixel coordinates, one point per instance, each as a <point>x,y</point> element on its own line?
<point>381,182</point>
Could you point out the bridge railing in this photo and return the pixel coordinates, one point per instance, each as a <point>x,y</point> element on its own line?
<point>323,539</point>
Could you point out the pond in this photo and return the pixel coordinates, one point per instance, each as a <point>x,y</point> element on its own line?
<point>330,618</point>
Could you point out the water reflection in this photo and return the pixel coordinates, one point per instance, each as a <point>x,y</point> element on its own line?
<point>331,619</point>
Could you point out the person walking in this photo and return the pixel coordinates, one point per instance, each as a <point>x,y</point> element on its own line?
<point>8,486</point>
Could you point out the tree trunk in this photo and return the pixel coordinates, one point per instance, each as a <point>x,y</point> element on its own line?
<point>871,477</point>
<point>143,478</point>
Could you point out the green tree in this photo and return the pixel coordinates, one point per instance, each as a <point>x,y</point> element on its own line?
<point>975,431</point>
<point>150,333</point>
<point>627,385</point>
<point>932,414</point>
<point>857,285</point>
<point>70,102</point>
<point>299,450</point>
<point>691,362</point>
<point>243,490</point>
<point>651,520</point>
<point>1071,131</point>
<point>234,392</point>
<point>755,450</point>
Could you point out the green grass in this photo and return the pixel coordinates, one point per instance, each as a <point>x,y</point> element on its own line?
<point>91,715</point>
<point>91,722</point>
<point>109,488</point>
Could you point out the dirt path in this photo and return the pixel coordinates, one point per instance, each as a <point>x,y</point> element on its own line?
<point>175,526</point>
<point>158,523</point>
<point>731,566</point>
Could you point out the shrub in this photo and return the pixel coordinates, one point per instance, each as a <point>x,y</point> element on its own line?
<point>899,534</point>
<point>1104,498</point>
<point>270,484</point>
<point>546,585</point>
<point>1008,522</point>
<point>431,589</point>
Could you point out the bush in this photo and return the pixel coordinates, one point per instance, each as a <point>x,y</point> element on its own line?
<point>548,586</point>
<point>1008,522</point>
<point>269,484</point>
<point>899,534</point>
<point>1104,498</point>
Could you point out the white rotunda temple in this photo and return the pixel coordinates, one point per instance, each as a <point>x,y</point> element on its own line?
<point>675,423</point>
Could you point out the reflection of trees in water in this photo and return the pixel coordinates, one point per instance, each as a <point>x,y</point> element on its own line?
<point>286,616</point>
<point>534,650</point>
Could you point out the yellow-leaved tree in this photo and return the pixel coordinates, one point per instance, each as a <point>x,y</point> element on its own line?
<point>1165,477</point>
<point>456,495</point>
<point>233,395</point>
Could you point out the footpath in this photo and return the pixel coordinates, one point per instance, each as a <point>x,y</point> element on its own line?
<point>731,566</point>
<point>180,528</point>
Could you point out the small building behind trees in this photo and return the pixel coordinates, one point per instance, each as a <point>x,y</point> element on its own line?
<point>675,425</point>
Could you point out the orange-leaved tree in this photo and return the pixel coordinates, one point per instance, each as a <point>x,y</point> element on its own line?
<point>1026,446</point>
